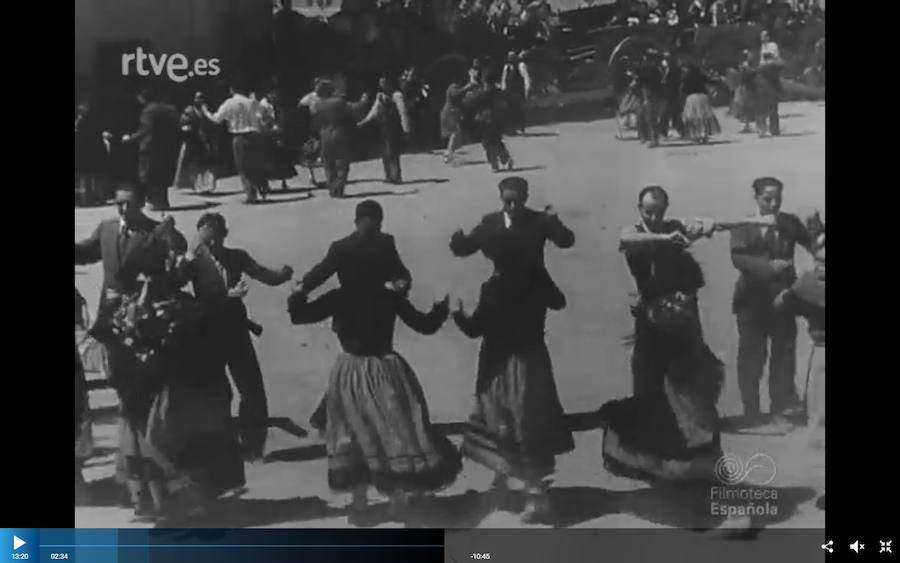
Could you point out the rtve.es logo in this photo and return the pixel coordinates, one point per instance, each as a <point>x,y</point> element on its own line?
<point>176,66</point>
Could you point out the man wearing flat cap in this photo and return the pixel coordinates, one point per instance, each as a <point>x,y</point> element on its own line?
<point>513,239</point>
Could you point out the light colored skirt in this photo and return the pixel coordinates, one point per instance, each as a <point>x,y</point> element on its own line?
<point>517,427</point>
<point>378,430</point>
<point>700,121</point>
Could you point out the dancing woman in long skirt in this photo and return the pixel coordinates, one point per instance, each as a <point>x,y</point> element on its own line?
<point>378,430</point>
<point>196,161</point>
<point>629,107</point>
<point>743,107</point>
<point>671,432</point>
<point>700,122</point>
<point>517,427</point>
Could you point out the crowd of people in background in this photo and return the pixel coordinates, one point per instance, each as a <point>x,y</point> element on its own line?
<point>263,138</point>
<point>715,13</point>
<point>665,92</point>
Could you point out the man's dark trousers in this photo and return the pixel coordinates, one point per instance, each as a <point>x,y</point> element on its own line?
<point>243,366</point>
<point>761,335</point>
<point>390,156</point>
<point>767,119</point>
<point>492,141</point>
<point>336,172</point>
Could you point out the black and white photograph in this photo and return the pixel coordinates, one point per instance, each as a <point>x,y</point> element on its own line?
<point>450,264</point>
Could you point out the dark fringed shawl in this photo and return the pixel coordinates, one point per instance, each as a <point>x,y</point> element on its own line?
<point>664,270</point>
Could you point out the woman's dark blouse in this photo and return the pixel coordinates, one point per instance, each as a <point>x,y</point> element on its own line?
<point>695,81</point>
<point>364,322</point>
<point>661,269</point>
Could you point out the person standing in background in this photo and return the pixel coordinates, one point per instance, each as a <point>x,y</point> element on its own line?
<point>158,144</point>
<point>673,100</point>
<point>768,86</point>
<point>764,256</point>
<point>768,47</point>
<point>649,76</point>
<point>279,158</point>
<point>415,94</point>
<point>700,121</point>
<point>196,163</point>
<point>242,114</point>
<point>486,104</point>
<point>391,113</point>
<point>516,83</point>
<point>452,116</point>
<point>336,119</point>
<point>719,13</point>
<point>91,156</point>
<point>743,106</point>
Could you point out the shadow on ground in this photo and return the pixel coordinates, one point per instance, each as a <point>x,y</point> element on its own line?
<point>577,422</point>
<point>249,513</point>
<point>194,206</point>
<point>272,201</point>
<point>684,506</point>
<point>380,193</point>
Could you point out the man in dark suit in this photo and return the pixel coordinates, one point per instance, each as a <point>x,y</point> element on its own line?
<point>649,76</point>
<point>217,275</point>
<point>514,239</point>
<point>365,261</point>
<point>113,243</point>
<point>764,256</point>
<point>336,119</point>
<point>158,143</point>
<point>672,102</point>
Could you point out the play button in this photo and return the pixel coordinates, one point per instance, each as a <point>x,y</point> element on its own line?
<point>17,542</point>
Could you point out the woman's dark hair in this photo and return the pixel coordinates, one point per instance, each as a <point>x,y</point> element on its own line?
<point>214,220</point>
<point>369,209</point>
<point>656,191</point>
<point>760,184</point>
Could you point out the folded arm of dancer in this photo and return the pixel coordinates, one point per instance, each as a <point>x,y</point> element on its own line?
<point>462,244</point>
<point>472,326</point>
<point>259,272</point>
<point>424,323</point>
<point>330,265</point>
<point>378,108</point>
<point>88,251</point>
<point>677,231</point>
<point>555,231</point>
<point>302,311</point>
<point>746,255</point>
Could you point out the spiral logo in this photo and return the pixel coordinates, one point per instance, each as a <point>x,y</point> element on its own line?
<point>758,470</point>
<point>730,469</point>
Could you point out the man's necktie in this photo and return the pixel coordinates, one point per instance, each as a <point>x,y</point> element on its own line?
<point>123,240</point>
<point>771,239</point>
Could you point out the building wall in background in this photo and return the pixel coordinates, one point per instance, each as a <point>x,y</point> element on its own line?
<point>223,29</point>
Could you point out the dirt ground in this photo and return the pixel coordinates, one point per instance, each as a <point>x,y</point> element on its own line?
<point>592,180</point>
